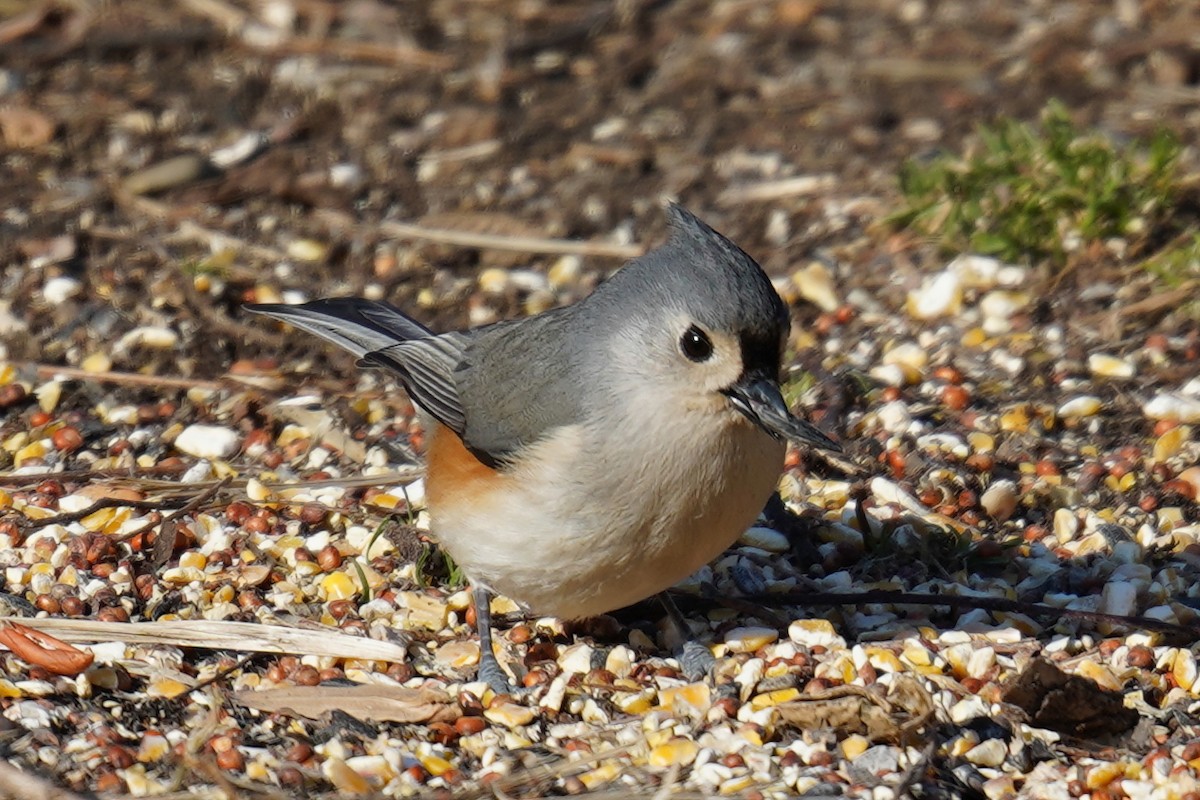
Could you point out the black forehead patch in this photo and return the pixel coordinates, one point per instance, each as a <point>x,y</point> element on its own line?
<point>761,354</point>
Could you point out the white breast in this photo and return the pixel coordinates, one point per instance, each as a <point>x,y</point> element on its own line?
<point>588,524</point>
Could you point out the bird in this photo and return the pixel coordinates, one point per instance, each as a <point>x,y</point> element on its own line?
<point>594,455</point>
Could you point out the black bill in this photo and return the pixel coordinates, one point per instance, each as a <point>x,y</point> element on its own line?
<point>759,398</point>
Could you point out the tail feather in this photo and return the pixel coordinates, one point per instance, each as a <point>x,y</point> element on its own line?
<point>360,326</point>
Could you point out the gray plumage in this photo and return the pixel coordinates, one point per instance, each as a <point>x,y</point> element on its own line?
<point>466,380</point>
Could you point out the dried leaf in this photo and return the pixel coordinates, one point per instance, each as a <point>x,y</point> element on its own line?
<point>43,650</point>
<point>366,702</point>
<point>846,715</point>
<point>1068,704</point>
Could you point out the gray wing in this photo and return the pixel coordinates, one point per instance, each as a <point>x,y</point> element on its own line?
<point>383,336</point>
<point>497,391</point>
<point>518,382</point>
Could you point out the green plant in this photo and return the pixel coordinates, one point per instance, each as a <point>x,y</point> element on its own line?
<point>435,567</point>
<point>1028,192</point>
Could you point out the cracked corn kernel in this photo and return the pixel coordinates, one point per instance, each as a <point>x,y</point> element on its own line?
<point>344,778</point>
<point>854,745</point>
<point>694,697</point>
<point>193,559</point>
<point>771,699</point>
<point>338,586</point>
<point>677,751</point>
<point>510,715</point>
<point>436,765</point>
<point>987,754</point>
<point>605,773</point>
<point>166,687</point>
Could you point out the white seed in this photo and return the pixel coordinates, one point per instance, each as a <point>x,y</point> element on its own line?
<point>152,336</point>
<point>1066,525</point>
<point>1174,407</point>
<point>59,289</point>
<point>907,354</point>
<point>939,296</point>
<point>988,754</point>
<point>749,639</point>
<point>1002,304</point>
<point>1000,500</point>
<point>894,417</point>
<point>576,659</point>
<point>765,539</point>
<point>976,272</point>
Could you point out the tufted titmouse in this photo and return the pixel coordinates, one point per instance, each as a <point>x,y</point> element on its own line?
<point>589,457</point>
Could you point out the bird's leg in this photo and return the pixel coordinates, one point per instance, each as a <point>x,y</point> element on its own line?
<point>490,671</point>
<point>695,659</point>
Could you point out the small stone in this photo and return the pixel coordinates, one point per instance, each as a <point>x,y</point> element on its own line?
<point>208,441</point>
<point>1119,597</point>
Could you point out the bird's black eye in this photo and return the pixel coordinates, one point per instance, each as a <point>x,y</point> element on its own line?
<point>696,345</point>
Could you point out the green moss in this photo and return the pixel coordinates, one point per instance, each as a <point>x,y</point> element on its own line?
<point>1039,193</point>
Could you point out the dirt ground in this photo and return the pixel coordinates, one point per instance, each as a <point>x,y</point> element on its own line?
<point>163,163</point>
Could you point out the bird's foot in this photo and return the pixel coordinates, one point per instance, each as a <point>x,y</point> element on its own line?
<point>695,660</point>
<point>491,673</point>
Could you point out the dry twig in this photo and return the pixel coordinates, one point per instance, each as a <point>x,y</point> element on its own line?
<point>519,244</point>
